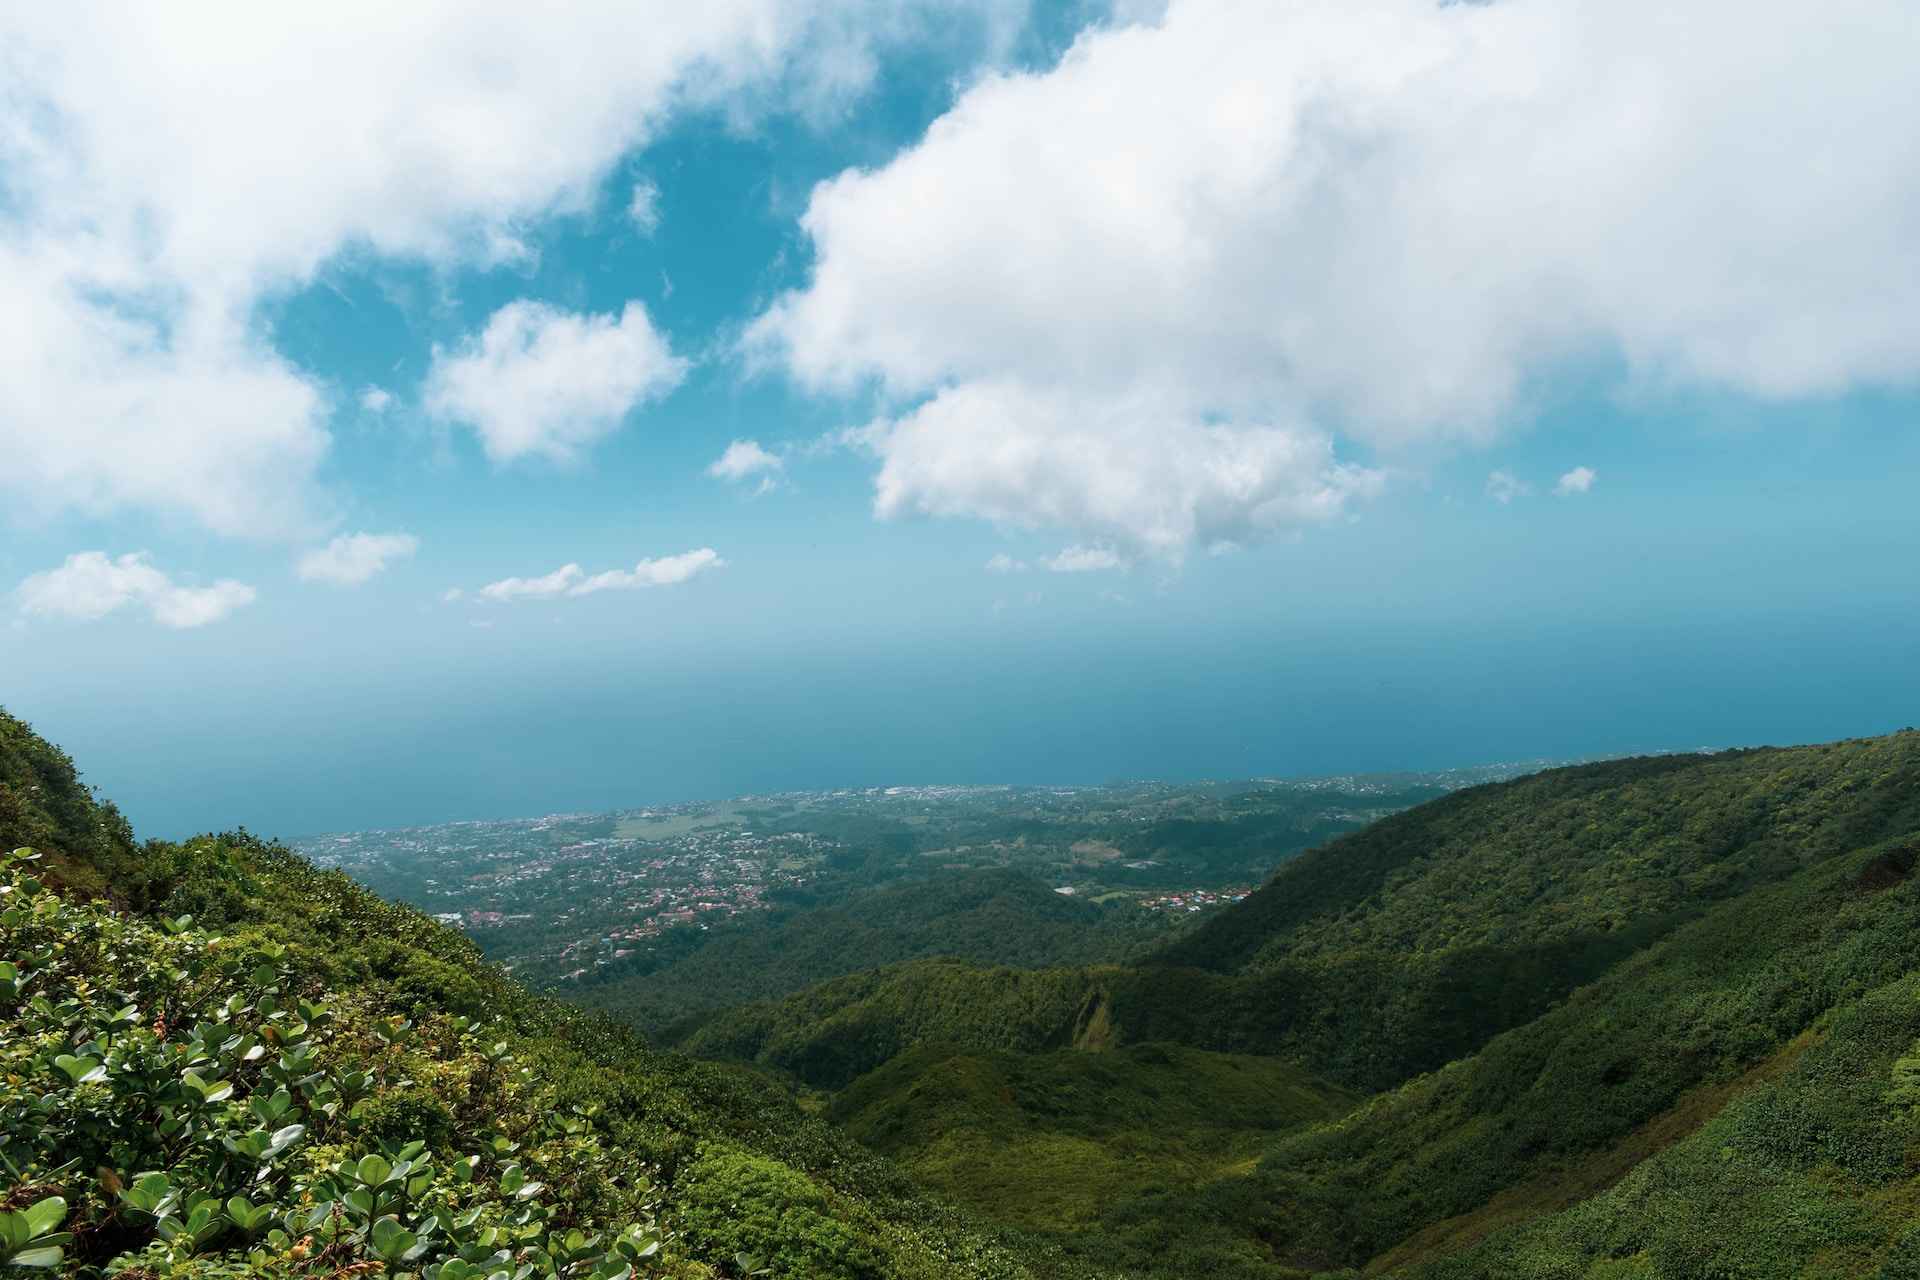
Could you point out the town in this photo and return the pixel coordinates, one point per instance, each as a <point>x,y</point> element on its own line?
<point>555,898</point>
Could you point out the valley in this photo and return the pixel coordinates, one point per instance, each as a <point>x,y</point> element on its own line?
<point>1652,1017</point>
<point>664,912</point>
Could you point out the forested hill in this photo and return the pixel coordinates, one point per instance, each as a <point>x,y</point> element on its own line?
<point>987,917</point>
<point>1405,946</point>
<point>217,1060</point>
<point>1569,854</point>
<point>1652,1019</point>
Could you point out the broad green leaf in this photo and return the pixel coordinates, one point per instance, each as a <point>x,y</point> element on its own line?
<point>49,1256</point>
<point>43,1216</point>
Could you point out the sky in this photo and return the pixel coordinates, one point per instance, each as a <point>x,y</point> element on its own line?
<point>466,410</point>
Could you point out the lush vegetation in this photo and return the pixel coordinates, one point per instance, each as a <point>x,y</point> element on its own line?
<point>1096,1152</point>
<point>1650,1018</point>
<point>1569,854</point>
<point>983,917</point>
<point>208,1043</point>
<point>664,912</point>
<point>1655,1018</point>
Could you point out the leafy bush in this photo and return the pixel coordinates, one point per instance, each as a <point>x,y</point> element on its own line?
<point>736,1204</point>
<point>199,1110</point>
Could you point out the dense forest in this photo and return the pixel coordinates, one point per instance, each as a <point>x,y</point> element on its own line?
<point>1646,1018</point>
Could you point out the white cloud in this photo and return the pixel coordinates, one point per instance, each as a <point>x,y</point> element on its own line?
<point>666,571</point>
<point>1084,560</point>
<point>541,382</point>
<point>452,595</point>
<point>90,585</point>
<point>1503,487</point>
<point>354,558</point>
<point>572,580</point>
<point>1001,562</point>
<point>745,459</point>
<point>166,171</point>
<point>643,206</point>
<point>1389,218</point>
<point>376,399</point>
<point>1137,473</point>
<point>553,584</point>
<point>1578,480</point>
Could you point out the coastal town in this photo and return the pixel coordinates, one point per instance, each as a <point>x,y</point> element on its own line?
<point>557,897</point>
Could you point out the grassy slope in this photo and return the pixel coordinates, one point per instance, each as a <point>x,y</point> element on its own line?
<point>656,1112</point>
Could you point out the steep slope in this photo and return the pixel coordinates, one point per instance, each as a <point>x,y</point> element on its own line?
<point>329,1037</point>
<point>1569,854</point>
<point>985,917</point>
<point>1405,946</point>
<point>1549,1101</point>
<point>84,842</point>
<point>1651,1019</point>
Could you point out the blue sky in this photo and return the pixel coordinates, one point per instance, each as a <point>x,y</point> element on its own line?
<point>1165,390</point>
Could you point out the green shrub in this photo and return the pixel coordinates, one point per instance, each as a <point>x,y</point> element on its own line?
<point>733,1203</point>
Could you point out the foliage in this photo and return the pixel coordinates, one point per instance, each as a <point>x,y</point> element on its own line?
<point>1809,1172</point>
<point>86,843</point>
<point>739,1204</point>
<point>1406,946</point>
<point>1098,1153</point>
<point>1562,980</point>
<point>981,917</point>
<point>426,1055</point>
<point>1570,853</point>
<point>1657,1018</point>
<point>187,1097</point>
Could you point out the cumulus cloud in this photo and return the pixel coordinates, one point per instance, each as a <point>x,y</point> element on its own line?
<point>166,171</point>
<point>376,399</point>
<point>1503,487</point>
<point>1001,562</point>
<point>354,558</point>
<point>572,580</point>
<point>1387,220</point>
<point>540,382</point>
<point>1578,480</point>
<point>1137,473</point>
<point>90,585</point>
<point>1084,560</point>
<point>745,459</point>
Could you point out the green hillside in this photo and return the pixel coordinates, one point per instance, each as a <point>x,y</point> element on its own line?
<point>985,917</point>
<point>216,1059</point>
<point>1654,1018</point>
<point>1071,1145</point>
<point>1569,854</point>
<point>1651,1018</point>
<point>1405,946</point>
